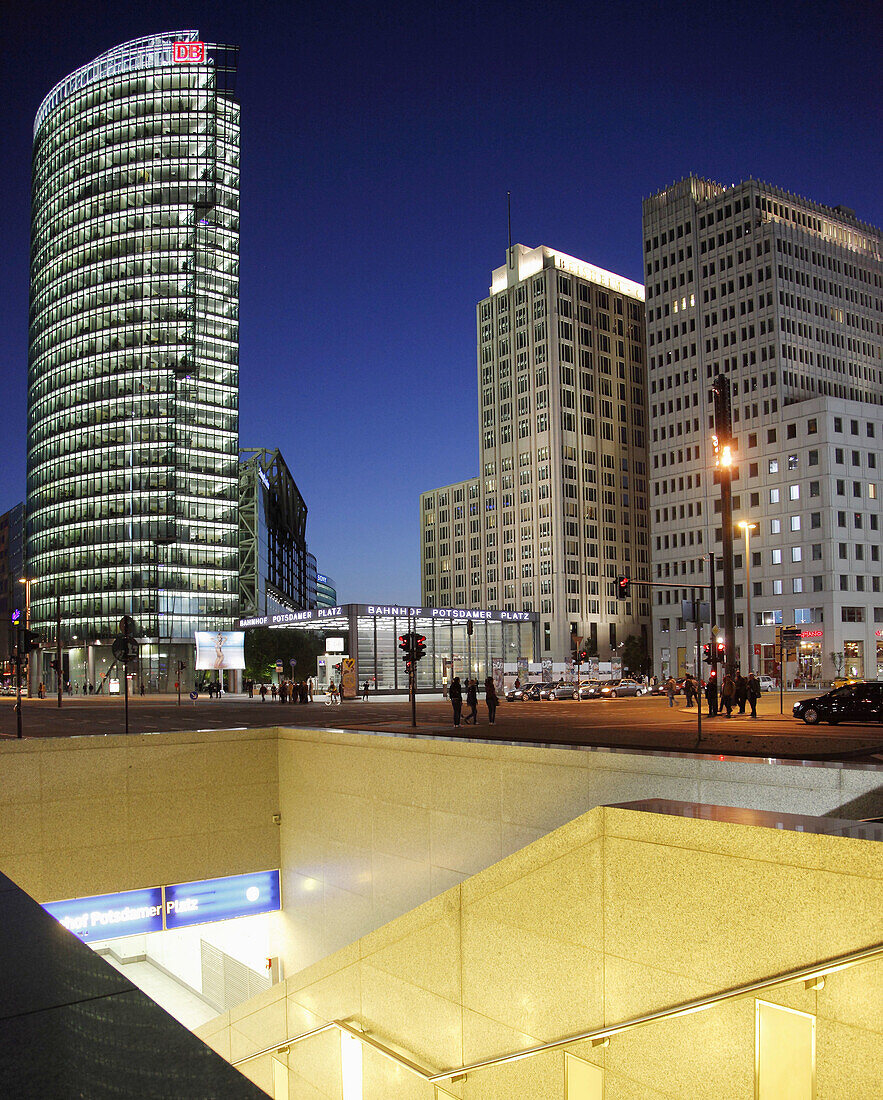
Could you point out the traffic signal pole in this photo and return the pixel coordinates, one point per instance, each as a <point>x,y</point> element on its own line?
<point>18,679</point>
<point>622,587</point>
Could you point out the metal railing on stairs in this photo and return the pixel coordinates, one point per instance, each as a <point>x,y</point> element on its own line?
<point>811,975</point>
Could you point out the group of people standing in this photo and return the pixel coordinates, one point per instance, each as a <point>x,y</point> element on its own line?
<point>734,691</point>
<point>455,694</point>
<point>288,691</point>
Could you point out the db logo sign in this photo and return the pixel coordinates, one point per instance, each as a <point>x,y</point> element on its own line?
<point>188,51</point>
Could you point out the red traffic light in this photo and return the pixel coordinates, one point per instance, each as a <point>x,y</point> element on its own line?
<point>419,647</point>
<point>622,587</point>
<point>405,643</point>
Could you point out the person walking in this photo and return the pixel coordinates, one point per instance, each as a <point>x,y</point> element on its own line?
<point>670,689</point>
<point>310,688</point>
<point>455,694</point>
<point>365,691</point>
<point>728,694</point>
<point>490,697</point>
<point>263,693</point>
<point>283,692</point>
<point>471,702</point>
<point>689,689</point>
<point>741,696</point>
<point>753,693</point>
<point>711,695</point>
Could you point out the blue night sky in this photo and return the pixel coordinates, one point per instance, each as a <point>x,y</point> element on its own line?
<point>378,144</point>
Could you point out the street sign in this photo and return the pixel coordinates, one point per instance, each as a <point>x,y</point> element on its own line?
<point>124,648</point>
<point>293,662</point>
<point>279,666</point>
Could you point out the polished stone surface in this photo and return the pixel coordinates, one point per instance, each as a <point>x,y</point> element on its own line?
<point>72,1026</point>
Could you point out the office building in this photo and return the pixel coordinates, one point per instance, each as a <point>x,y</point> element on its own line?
<point>133,364</point>
<point>783,297</point>
<point>559,507</point>
<point>273,563</point>
<point>12,592</point>
<point>326,591</point>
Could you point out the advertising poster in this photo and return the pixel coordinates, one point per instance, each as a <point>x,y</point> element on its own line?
<point>348,685</point>
<point>220,649</point>
<point>497,673</point>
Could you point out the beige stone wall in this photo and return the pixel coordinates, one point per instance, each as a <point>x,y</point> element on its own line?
<point>615,914</point>
<point>373,826</point>
<point>93,815</point>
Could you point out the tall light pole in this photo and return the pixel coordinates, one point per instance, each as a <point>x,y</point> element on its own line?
<point>747,528</point>
<point>722,441</point>
<point>27,581</point>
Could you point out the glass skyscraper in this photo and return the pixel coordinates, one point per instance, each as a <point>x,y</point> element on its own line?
<point>133,363</point>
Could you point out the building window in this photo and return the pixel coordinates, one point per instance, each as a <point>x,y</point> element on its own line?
<point>774,496</point>
<point>794,492</point>
<point>852,614</point>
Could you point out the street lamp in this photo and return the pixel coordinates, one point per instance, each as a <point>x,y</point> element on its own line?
<point>747,528</point>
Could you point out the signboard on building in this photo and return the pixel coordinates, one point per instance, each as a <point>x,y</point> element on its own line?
<point>106,916</point>
<point>194,52</point>
<point>159,908</point>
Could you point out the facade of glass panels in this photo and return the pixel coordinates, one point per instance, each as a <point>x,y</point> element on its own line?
<point>373,632</point>
<point>273,569</point>
<point>133,362</point>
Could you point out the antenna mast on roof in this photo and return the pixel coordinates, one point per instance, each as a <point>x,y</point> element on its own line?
<point>509,214</point>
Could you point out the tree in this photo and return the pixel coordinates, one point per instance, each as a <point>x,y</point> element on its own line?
<point>263,647</point>
<point>634,655</point>
<point>837,658</point>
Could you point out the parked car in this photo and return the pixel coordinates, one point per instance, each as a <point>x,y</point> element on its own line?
<point>767,683</point>
<point>623,687</point>
<point>859,702</point>
<point>844,681</point>
<point>563,691</point>
<point>538,691</point>
<point>518,694</point>
<point>590,689</point>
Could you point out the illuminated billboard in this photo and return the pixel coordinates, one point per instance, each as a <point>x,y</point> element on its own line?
<point>221,649</point>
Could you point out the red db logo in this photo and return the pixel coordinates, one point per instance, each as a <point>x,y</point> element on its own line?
<point>188,51</point>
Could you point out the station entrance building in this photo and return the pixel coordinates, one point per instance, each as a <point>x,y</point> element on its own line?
<point>471,643</point>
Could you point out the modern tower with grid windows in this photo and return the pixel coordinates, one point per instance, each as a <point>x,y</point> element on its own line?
<point>133,360</point>
<point>559,508</point>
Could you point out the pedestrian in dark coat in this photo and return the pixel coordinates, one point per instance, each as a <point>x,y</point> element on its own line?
<point>711,696</point>
<point>753,689</point>
<point>490,697</point>
<point>741,692</point>
<point>728,694</point>
<point>455,694</point>
<point>471,702</point>
<point>689,690</point>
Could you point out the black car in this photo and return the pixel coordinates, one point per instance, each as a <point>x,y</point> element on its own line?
<point>861,702</point>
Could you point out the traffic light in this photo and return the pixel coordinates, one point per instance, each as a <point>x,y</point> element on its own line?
<point>622,587</point>
<point>405,646</point>
<point>722,652</point>
<point>55,665</point>
<point>706,654</point>
<point>419,649</point>
<point>29,641</point>
<point>338,667</point>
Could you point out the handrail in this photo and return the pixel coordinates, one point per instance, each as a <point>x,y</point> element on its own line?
<point>599,1034</point>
